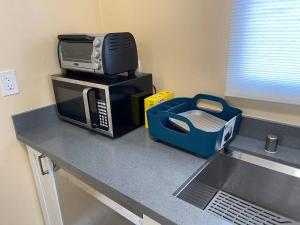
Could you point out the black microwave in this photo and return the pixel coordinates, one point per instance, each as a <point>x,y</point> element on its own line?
<point>112,106</point>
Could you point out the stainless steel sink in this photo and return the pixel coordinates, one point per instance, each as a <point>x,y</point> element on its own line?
<point>245,189</point>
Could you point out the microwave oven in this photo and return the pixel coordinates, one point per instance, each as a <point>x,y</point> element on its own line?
<point>112,107</point>
<point>110,53</point>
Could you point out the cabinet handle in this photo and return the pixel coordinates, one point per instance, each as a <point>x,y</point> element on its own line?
<point>41,165</point>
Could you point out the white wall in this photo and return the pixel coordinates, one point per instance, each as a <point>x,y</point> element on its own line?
<point>28,45</point>
<point>184,44</point>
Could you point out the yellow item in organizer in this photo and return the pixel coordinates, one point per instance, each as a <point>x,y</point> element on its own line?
<point>156,99</point>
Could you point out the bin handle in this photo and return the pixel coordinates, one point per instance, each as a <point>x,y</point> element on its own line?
<point>198,97</point>
<point>167,115</point>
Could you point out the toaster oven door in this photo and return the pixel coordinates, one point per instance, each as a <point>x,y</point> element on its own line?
<point>76,55</point>
<point>72,102</point>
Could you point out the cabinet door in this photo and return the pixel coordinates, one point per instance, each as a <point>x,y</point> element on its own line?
<point>43,172</point>
<point>83,205</point>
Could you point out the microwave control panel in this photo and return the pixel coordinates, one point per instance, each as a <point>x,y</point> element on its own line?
<point>102,113</point>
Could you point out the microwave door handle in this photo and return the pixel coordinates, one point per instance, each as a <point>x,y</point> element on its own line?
<point>86,106</point>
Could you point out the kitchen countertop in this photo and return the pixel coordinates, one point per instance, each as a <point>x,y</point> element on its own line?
<point>137,172</point>
<point>133,170</point>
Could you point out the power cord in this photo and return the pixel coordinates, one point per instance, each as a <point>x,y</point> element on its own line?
<point>154,89</point>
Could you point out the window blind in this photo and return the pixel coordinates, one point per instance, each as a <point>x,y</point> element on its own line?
<point>264,52</point>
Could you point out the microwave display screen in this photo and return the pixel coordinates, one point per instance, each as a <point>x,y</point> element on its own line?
<point>77,51</point>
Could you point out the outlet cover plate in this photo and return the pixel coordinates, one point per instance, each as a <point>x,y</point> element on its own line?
<point>9,83</point>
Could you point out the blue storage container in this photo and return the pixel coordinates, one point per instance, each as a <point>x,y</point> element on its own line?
<point>202,143</point>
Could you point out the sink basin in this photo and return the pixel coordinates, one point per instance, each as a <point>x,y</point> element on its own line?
<point>245,189</point>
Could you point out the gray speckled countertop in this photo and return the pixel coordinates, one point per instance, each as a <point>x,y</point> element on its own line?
<point>133,170</point>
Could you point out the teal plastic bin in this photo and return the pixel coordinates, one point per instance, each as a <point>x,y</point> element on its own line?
<point>197,141</point>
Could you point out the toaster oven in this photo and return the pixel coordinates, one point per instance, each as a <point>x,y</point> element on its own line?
<point>112,107</point>
<point>110,53</point>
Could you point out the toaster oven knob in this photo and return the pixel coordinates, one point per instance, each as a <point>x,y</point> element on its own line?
<point>97,66</point>
<point>96,54</point>
<point>97,43</point>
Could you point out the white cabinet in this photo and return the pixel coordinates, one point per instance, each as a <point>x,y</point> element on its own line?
<point>42,168</point>
<point>83,205</point>
<point>66,200</point>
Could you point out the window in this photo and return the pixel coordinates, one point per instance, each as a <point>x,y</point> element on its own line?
<point>264,53</point>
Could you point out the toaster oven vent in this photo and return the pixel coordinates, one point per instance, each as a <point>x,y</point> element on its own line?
<point>113,43</point>
<point>116,42</point>
<point>127,42</point>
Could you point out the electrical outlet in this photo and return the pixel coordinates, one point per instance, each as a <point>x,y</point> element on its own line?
<point>9,83</point>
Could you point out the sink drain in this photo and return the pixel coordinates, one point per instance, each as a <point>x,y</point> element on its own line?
<point>241,212</point>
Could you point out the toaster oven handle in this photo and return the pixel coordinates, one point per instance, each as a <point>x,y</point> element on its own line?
<point>75,37</point>
<point>86,105</point>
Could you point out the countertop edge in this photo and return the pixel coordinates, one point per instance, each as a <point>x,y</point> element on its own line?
<point>105,189</point>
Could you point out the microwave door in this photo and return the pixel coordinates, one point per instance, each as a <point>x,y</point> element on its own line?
<point>72,102</point>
